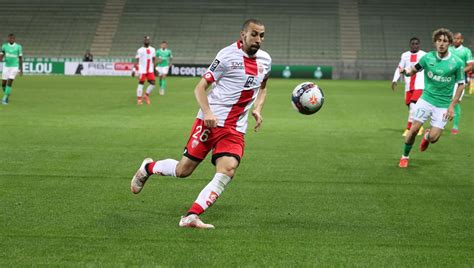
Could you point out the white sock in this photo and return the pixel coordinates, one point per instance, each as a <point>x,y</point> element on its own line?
<point>212,191</point>
<point>411,113</point>
<point>139,90</point>
<point>166,167</point>
<point>149,89</point>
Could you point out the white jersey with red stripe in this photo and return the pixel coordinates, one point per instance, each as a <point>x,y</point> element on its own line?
<point>236,79</point>
<point>408,60</point>
<point>145,56</point>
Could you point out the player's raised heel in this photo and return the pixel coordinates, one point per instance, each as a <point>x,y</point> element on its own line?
<point>425,142</point>
<point>140,177</point>
<point>193,221</point>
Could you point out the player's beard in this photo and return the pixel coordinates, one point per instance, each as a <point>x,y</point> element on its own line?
<point>253,49</point>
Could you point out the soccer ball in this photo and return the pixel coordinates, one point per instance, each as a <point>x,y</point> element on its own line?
<point>307,98</point>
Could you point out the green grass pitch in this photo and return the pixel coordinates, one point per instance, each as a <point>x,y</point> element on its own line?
<point>311,190</point>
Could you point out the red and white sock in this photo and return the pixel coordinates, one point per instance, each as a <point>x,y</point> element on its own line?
<point>165,167</point>
<point>210,193</point>
<point>140,90</point>
<point>149,89</point>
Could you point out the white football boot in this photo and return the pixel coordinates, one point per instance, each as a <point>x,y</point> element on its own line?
<point>140,177</point>
<point>193,221</point>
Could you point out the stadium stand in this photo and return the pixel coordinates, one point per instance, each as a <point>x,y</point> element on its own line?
<point>360,38</point>
<point>198,29</point>
<point>51,28</point>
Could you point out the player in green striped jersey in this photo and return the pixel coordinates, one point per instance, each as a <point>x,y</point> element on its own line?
<point>12,57</point>
<point>164,57</point>
<point>465,55</point>
<point>442,71</point>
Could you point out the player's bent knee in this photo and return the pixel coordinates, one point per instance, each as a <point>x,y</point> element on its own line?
<point>227,165</point>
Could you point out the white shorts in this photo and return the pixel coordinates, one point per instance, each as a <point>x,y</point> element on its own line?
<point>163,69</point>
<point>9,73</point>
<point>424,109</point>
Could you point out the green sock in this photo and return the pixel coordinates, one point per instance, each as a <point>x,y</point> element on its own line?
<point>8,89</point>
<point>457,115</point>
<point>407,149</point>
<point>163,83</point>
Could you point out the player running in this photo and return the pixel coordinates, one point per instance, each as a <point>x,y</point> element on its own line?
<point>239,76</point>
<point>145,61</point>
<point>165,57</point>
<point>465,55</point>
<point>442,71</point>
<point>12,57</point>
<point>414,84</point>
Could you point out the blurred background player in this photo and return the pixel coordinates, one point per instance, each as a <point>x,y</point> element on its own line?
<point>442,71</point>
<point>145,62</point>
<point>12,57</point>
<point>222,121</point>
<point>414,84</point>
<point>88,57</point>
<point>164,57</point>
<point>465,55</point>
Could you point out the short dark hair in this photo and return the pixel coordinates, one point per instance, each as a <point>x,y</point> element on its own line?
<point>442,31</point>
<point>11,35</point>
<point>164,42</point>
<point>247,23</point>
<point>415,38</point>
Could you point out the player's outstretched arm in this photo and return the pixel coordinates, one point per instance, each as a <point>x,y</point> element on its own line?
<point>210,120</point>
<point>258,106</point>
<point>450,113</point>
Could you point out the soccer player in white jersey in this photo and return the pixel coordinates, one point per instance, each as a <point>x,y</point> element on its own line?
<point>238,76</point>
<point>146,61</point>
<point>414,84</point>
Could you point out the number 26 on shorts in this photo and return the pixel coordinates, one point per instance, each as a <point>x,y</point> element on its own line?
<point>201,134</point>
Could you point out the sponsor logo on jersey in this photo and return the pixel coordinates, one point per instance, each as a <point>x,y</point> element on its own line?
<point>250,82</point>
<point>214,65</point>
<point>439,78</point>
<point>236,65</point>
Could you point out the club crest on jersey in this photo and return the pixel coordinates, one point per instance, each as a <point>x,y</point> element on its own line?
<point>260,68</point>
<point>214,65</point>
<point>194,143</point>
<point>250,82</point>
